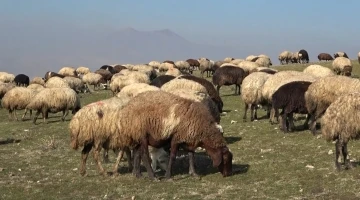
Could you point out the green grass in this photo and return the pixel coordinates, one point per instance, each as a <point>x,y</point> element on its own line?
<point>271,165</point>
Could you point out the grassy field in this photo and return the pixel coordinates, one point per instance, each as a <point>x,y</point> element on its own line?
<point>38,163</point>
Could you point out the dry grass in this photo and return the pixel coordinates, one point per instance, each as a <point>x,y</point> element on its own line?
<point>270,164</point>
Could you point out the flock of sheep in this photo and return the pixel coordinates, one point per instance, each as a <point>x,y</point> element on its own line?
<point>161,106</point>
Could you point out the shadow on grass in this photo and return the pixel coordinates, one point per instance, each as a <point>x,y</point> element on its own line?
<point>232,139</point>
<point>9,141</point>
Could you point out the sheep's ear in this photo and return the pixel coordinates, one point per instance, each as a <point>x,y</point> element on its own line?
<point>216,156</point>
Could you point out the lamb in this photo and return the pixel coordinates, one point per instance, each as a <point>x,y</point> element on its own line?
<point>325,56</point>
<point>318,71</point>
<point>17,99</point>
<point>324,91</point>
<point>22,80</point>
<point>228,75</point>
<point>54,100</point>
<point>164,120</point>
<point>135,89</point>
<point>342,66</point>
<point>165,66</point>
<point>161,80</point>
<point>285,57</point>
<point>5,87</point>
<point>93,79</point>
<point>56,82</point>
<point>340,123</point>
<point>76,84</point>
<point>128,78</point>
<point>209,88</point>
<point>6,77</point>
<point>340,54</point>
<point>49,74</point>
<point>82,70</point>
<point>38,80</point>
<point>290,98</point>
<point>303,56</point>
<point>68,71</point>
<point>251,93</point>
<point>146,69</point>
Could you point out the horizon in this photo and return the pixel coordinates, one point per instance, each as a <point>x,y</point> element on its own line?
<point>40,36</point>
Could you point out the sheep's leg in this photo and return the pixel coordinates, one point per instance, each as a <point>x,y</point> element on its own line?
<point>337,154</point>
<point>218,89</point>
<point>276,115</point>
<point>313,124</point>
<point>36,116</point>
<point>22,118</point>
<point>291,122</point>
<point>306,123</point>
<point>136,169</point>
<point>173,151</point>
<point>272,115</point>
<point>84,155</point>
<point>65,113</point>
<point>10,115</point>
<point>15,115</point>
<point>245,111</point>
<point>145,157</point>
<point>129,158</point>
<point>284,119</point>
<point>116,166</point>
<point>97,150</point>
<point>106,156</point>
<point>347,162</point>
<point>192,171</point>
<point>253,112</point>
<point>268,111</point>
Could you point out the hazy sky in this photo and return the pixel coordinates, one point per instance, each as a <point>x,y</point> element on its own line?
<point>266,26</point>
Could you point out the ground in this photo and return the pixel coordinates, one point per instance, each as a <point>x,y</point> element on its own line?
<point>36,162</point>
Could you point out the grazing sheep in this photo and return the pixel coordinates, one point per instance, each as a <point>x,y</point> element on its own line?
<point>108,68</point>
<point>17,99</point>
<point>38,80</point>
<point>285,57</point>
<point>68,71</point>
<point>56,82</point>
<point>251,93</point>
<point>76,84</point>
<point>128,78</point>
<point>157,118</point>
<point>206,65</point>
<point>161,80</point>
<point>263,62</point>
<point>325,56</point>
<point>303,56</point>
<point>54,100</point>
<point>318,71</point>
<point>155,64</point>
<point>135,89</point>
<point>93,79</point>
<point>6,77</point>
<point>177,84</point>
<point>118,68</point>
<point>22,80</point>
<point>342,66</point>
<point>248,66</point>
<point>290,98</point>
<point>49,74</point>
<point>228,75</point>
<point>146,69</point>
<point>341,123</point>
<point>5,87</point>
<point>194,64</point>
<point>35,86</point>
<point>295,57</point>
<point>173,72</point>
<point>209,88</point>
<point>340,54</point>
<point>107,75</point>
<point>228,59</point>
<point>324,91</point>
<point>83,70</point>
<point>183,66</point>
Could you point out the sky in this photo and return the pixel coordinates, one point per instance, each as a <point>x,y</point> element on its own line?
<point>262,26</point>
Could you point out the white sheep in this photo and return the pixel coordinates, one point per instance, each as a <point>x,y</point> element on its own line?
<point>342,66</point>
<point>318,71</point>
<point>56,82</point>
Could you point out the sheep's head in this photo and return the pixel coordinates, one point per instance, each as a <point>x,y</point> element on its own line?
<point>222,159</point>
<point>347,70</point>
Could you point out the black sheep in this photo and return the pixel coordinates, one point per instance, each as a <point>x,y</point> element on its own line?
<point>210,89</point>
<point>303,56</point>
<point>108,68</point>
<point>22,80</point>
<point>49,74</point>
<point>291,99</point>
<point>337,55</point>
<point>161,80</point>
<point>228,75</point>
<point>118,68</point>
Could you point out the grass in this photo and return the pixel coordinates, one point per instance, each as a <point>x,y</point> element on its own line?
<point>36,162</point>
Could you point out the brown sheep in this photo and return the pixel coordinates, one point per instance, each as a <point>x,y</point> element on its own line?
<point>228,75</point>
<point>325,56</point>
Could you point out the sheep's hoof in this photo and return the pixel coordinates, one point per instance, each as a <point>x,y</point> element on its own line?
<point>338,167</point>
<point>169,180</point>
<point>83,173</point>
<point>244,120</point>
<point>138,175</point>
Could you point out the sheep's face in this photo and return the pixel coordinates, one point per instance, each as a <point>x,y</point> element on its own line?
<point>222,159</point>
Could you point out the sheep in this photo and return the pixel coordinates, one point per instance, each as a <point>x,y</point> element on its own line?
<point>54,100</point>
<point>87,129</point>
<point>264,69</point>
<point>228,59</point>
<point>228,75</point>
<point>50,74</point>
<point>135,89</point>
<point>340,123</point>
<point>359,57</point>
<point>76,84</point>
<point>290,98</point>
<point>157,118</point>
<point>107,75</point>
<point>17,99</point>
<point>277,80</point>
<point>263,62</point>
<point>250,58</point>
<point>165,66</point>
<point>342,66</point>
<point>251,93</point>
<point>173,72</point>
<point>35,86</point>
<point>318,71</point>
<point>161,80</point>
<point>236,61</point>
<point>128,78</point>
<point>248,66</point>
<point>6,77</point>
<point>206,66</point>
<point>285,57</point>
<point>295,57</point>
<point>183,66</point>
<point>209,88</point>
<point>146,69</point>
<point>93,79</point>
<point>340,54</point>
<point>56,82</point>
<point>178,83</point>
<point>68,71</point>
<point>325,56</point>
<point>22,80</point>
<point>194,64</point>
<point>324,91</point>
<point>155,64</point>
<point>217,64</point>
<point>82,70</point>
<point>5,87</point>
<point>108,68</point>
<point>118,68</point>
<point>169,61</point>
<point>303,56</point>
<point>38,80</point>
